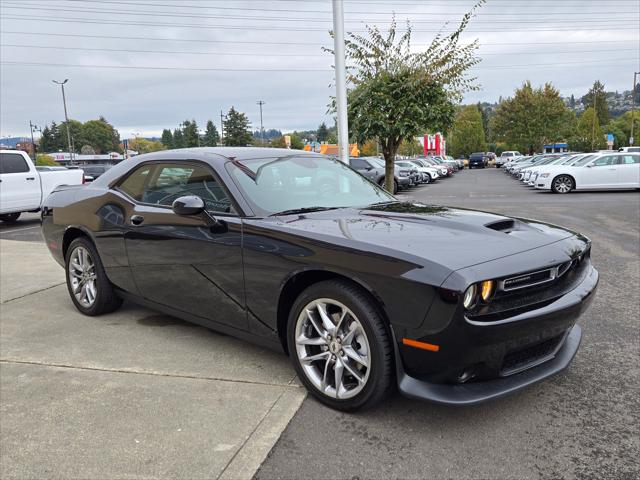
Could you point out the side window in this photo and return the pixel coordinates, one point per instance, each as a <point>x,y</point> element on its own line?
<point>13,163</point>
<point>358,164</point>
<point>629,159</point>
<point>171,181</point>
<point>136,182</point>
<point>604,161</point>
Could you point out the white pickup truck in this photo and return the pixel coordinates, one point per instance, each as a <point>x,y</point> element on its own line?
<point>23,188</point>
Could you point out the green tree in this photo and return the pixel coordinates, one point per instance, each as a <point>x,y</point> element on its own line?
<point>599,96</point>
<point>410,147</point>
<point>322,133</point>
<point>589,136</point>
<point>531,118</point>
<point>278,142</point>
<point>45,160</point>
<point>77,138</point>
<point>178,139</point>
<point>467,135</point>
<point>369,148</point>
<point>48,140</point>
<point>100,135</point>
<point>296,141</point>
<point>167,139</point>
<point>142,145</point>
<point>190,133</point>
<point>237,129</point>
<point>211,137</point>
<point>621,129</point>
<point>397,94</point>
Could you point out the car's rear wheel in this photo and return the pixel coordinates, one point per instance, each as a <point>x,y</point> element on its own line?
<point>339,345</point>
<point>395,185</point>
<point>9,217</point>
<point>562,184</point>
<point>88,285</point>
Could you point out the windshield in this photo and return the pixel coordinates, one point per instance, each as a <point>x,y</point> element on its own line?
<point>273,185</point>
<point>583,161</point>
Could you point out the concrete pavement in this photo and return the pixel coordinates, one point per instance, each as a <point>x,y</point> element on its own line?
<point>132,394</point>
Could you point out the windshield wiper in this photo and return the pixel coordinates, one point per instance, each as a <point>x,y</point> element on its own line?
<point>302,210</point>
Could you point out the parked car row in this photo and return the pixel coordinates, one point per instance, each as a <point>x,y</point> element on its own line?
<point>565,172</point>
<point>407,172</point>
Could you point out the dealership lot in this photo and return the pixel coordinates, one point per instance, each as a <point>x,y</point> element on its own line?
<point>582,424</point>
<point>138,394</point>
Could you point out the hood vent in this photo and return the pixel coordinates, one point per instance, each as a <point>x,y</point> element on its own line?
<point>506,226</point>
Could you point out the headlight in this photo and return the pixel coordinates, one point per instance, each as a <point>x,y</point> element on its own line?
<point>470,297</point>
<point>543,175</point>
<point>486,290</point>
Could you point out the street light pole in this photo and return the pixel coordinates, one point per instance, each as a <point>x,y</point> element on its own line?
<point>260,102</point>
<point>341,80</point>
<point>66,119</point>
<point>633,107</point>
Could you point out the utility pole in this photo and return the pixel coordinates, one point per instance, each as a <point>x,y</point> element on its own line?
<point>66,119</point>
<point>260,102</point>
<point>633,107</point>
<point>341,80</point>
<point>33,127</point>
<point>595,114</point>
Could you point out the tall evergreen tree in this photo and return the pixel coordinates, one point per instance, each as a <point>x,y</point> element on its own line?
<point>599,96</point>
<point>236,129</point>
<point>167,139</point>
<point>323,132</point>
<point>190,133</point>
<point>178,139</point>
<point>467,134</point>
<point>47,142</point>
<point>211,136</point>
<point>572,102</point>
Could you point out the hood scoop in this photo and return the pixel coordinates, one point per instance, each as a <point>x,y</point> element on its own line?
<point>504,226</point>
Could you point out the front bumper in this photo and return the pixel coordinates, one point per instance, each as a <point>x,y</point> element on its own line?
<point>487,350</point>
<point>543,183</point>
<point>478,392</point>
<point>404,182</point>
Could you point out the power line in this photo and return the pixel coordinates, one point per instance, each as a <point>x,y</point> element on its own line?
<point>250,54</point>
<point>39,6</point>
<point>267,42</point>
<point>283,29</point>
<point>386,3</point>
<point>311,70</point>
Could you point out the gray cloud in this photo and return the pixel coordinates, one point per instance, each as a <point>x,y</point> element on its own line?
<point>146,101</point>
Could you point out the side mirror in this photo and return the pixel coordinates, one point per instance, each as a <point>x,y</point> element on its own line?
<point>188,205</point>
<point>589,166</point>
<point>369,167</point>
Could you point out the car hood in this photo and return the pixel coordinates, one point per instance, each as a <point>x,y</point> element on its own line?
<point>426,234</point>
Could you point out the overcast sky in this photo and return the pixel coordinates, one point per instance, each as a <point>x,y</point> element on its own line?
<point>183,59</point>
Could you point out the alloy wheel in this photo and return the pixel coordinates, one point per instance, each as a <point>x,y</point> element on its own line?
<point>82,276</point>
<point>332,348</point>
<point>563,184</point>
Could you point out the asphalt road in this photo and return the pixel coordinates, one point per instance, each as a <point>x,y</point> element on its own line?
<point>583,423</point>
<point>26,228</point>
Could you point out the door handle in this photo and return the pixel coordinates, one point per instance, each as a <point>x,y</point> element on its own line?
<point>31,178</point>
<point>137,219</point>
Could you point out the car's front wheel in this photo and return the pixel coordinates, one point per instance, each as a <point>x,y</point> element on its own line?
<point>562,184</point>
<point>9,217</point>
<point>339,345</point>
<point>88,285</point>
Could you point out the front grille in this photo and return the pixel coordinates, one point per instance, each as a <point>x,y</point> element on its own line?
<point>528,279</point>
<point>533,354</point>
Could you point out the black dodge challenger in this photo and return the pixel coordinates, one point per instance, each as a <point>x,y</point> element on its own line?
<point>297,251</point>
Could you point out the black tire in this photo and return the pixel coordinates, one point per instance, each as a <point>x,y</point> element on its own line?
<point>9,217</point>
<point>395,185</point>
<point>558,182</point>
<point>106,300</point>
<point>429,179</point>
<point>380,376</point>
